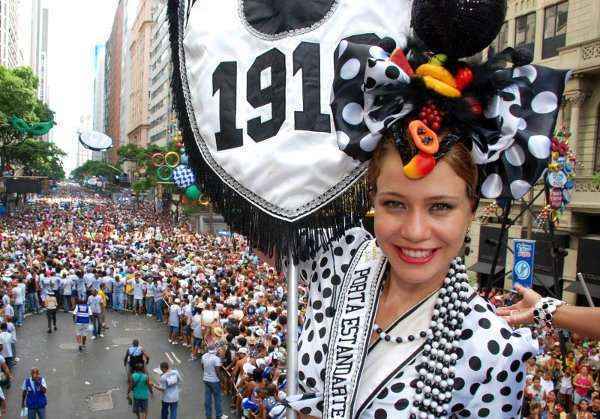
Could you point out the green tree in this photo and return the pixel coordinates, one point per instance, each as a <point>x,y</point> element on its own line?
<point>40,158</point>
<point>95,168</point>
<point>142,157</point>
<point>18,97</point>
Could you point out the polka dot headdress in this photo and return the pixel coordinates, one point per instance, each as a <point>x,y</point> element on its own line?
<point>427,102</point>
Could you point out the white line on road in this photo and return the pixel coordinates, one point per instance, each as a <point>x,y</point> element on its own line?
<point>175,357</point>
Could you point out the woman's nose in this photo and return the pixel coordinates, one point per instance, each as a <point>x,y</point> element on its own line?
<point>415,227</point>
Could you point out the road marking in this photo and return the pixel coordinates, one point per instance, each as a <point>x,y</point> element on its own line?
<point>175,357</point>
<point>170,360</point>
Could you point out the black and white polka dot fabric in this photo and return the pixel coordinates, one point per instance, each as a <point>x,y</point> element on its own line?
<point>511,146</point>
<point>359,68</point>
<point>490,365</point>
<point>514,151</point>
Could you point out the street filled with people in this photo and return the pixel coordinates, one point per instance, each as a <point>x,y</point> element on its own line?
<point>88,256</point>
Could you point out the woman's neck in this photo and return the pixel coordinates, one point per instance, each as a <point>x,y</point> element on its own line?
<point>407,293</point>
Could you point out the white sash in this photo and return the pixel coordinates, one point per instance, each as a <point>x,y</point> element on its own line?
<point>351,331</point>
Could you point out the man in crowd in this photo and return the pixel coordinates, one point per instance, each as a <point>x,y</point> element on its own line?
<point>82,315</point>
<point>95,303</point>
<point>51,308</point>
<point>211,364</point>
<point>34,395</point>
<point>168,384</point>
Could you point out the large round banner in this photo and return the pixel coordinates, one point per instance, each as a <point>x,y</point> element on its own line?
<point>253,86</point>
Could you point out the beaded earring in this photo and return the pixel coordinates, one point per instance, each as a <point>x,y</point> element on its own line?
<point>467,247</point>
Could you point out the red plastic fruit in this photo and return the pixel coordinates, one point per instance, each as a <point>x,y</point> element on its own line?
<point>463,77</point>
<point>400,60</point>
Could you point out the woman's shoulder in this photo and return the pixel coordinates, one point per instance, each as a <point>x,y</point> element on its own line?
<point>335,256</point>
<point>486,330</point>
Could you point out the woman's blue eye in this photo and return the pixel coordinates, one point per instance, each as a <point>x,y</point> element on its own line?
<point>441,207</point>
<point>392,204</point>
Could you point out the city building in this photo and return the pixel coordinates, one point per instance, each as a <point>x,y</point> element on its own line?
<point>11,53</point>
<point>98,107</point>
<point>560,34</point>
<point>38,46</point>
<point>162,117</point>
<point>112,87</point>
<point>139,72</point>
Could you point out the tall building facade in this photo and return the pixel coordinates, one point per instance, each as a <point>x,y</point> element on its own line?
<point>38,45</point>
<point>162,117</point>
<point>98,107</point>
<point>112,86</point>
<point>139,72</point>
<point>561,34</point>
<point>11,53</point>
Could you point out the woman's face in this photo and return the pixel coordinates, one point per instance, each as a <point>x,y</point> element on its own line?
<point>420,224</point>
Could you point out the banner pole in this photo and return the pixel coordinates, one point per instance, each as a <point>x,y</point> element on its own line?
<point>292,332</point>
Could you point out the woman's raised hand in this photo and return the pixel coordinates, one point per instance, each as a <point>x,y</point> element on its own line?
<point>522,312</point>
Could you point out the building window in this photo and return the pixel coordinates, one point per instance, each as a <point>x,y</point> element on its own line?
<point>501,42</point>
<point>525,32</point>
<point>555,29</point>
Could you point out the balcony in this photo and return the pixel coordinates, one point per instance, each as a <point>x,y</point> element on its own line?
<point>584,57</point>
<point>586,197</point>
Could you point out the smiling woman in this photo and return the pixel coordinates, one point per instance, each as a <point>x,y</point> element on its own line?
<point>393,325</point>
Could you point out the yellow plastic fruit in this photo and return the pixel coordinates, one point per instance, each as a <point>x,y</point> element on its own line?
<point>437,72</point>
<point>441,87</point>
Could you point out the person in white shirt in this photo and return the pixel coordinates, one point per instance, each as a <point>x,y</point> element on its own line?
<point>169,383</point>
<point>186,313</point>
<point>196,333</point>
<point>174,314</point>
<point>7,339</point>
<point>67,292</point>
<point>138,296</point>
<point>18,294</point>
<point>149,289</point>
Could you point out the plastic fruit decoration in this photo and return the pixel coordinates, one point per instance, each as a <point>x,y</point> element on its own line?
<point>431,116</point>
<point>463,77</point>
<point>438,79</point>
<point>400,60</point>
<point>419,166</point>
<point>458,28</point>
<point>475,105</point>
<point>424,138</point>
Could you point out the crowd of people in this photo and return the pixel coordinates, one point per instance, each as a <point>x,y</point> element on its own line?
<point>90,256</point>
<point>215,297</point>
<point>563,381</point>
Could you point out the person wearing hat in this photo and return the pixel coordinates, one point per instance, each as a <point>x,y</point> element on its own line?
<point>51,308</point>
<point>211,364</point>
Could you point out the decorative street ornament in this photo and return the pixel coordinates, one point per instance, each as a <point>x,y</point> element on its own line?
<point>561,174</point>
<point>94,140</point>
<point>33,130</point>
<point>253,98</point>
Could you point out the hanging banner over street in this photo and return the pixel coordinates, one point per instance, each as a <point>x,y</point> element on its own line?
<point>523,268</point>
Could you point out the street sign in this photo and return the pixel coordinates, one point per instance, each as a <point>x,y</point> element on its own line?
<point>524,251</point>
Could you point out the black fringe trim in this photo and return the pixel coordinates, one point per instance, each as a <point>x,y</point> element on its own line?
<point>269,234</point>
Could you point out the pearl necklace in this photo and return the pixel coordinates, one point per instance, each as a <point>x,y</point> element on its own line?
<point>436,369</point>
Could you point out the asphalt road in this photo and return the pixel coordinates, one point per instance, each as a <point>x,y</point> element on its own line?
<point>79,383</point>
